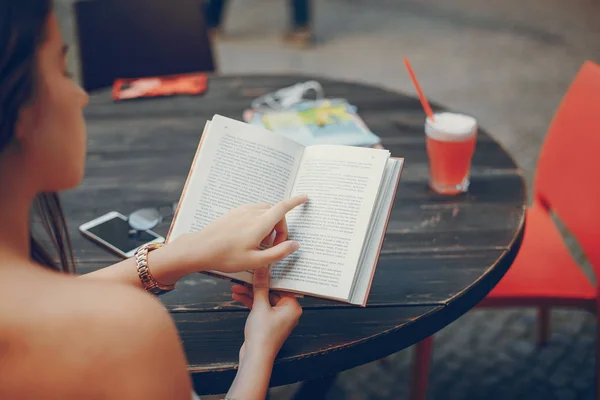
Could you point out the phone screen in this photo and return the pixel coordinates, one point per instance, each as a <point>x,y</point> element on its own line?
<point>116,232</point>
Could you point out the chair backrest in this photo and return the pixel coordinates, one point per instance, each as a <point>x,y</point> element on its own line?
<point>140,38</point>
<point>568,170</point>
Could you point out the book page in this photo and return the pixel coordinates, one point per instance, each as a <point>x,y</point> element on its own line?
<point>236,164</point>
<point>376,234</point>
<point>342,184</point>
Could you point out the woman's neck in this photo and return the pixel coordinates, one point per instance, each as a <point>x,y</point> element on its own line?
<point>16,199</point>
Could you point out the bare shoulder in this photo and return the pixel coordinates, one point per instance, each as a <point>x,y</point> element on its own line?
<point>94,339</point>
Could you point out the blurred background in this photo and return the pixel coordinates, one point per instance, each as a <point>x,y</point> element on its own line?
<point>508,63</point>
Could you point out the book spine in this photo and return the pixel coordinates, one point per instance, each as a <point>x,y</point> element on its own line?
<point>187,181</point>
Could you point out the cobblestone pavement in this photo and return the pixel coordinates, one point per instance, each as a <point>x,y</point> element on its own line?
<point>507,62</point>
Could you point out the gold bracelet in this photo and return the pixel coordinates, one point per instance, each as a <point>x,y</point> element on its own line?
<point>148,282</point>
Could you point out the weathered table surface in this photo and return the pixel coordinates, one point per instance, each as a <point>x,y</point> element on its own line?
<point>440,257</point>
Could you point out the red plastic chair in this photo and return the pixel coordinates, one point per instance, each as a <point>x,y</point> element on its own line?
<point>544,274</point>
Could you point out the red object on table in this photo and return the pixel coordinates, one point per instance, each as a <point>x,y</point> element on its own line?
<point>544,274</point>
<point>190,84</point>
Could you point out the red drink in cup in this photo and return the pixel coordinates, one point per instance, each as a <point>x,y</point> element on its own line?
<point>450,146</point>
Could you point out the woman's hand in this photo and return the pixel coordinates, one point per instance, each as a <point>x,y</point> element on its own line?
<point>231,243</point>
<point>272,318</point>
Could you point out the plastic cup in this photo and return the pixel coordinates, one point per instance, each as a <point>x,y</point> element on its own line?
<point>450,147</point>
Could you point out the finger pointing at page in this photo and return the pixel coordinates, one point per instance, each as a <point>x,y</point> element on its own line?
<point>279,210</point>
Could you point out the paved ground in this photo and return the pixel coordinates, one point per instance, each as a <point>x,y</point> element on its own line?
<point>507,62</point>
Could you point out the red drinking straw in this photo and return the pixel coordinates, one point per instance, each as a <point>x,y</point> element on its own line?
<point>424,101</point>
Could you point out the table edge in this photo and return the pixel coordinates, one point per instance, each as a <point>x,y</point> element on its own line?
<point>376,346</point>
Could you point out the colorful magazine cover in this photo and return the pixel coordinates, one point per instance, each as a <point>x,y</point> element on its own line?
<point>329,121</point>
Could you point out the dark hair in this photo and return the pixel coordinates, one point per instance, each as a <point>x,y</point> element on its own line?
<point>22,31</point>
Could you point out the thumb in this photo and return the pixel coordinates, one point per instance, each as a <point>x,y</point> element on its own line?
<point>260,285</point>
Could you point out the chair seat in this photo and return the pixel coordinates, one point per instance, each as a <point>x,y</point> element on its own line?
<point>544,267</point>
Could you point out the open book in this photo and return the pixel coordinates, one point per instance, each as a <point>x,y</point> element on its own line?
<point>340,229</point>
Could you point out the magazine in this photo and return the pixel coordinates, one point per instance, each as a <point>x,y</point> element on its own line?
<point>328,121</point>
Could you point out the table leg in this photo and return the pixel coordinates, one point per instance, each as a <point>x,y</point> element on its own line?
<point>315,389</point>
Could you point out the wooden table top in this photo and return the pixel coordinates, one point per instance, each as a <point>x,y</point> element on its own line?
<point>441,255</point>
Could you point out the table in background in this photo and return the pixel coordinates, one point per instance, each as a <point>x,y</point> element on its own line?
<point>441,255</point>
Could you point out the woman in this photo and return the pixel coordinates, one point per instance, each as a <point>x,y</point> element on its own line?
<point>100,336</point>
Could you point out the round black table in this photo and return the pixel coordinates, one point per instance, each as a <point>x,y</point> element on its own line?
<point>441,255</point>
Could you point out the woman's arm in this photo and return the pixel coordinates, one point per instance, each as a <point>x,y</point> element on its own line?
<point>167,268</point>
<point>252,379</point>
<point>229,244</point>
<point>272,318</point>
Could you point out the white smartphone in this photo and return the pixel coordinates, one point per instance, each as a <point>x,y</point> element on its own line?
<point>112,230</point>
